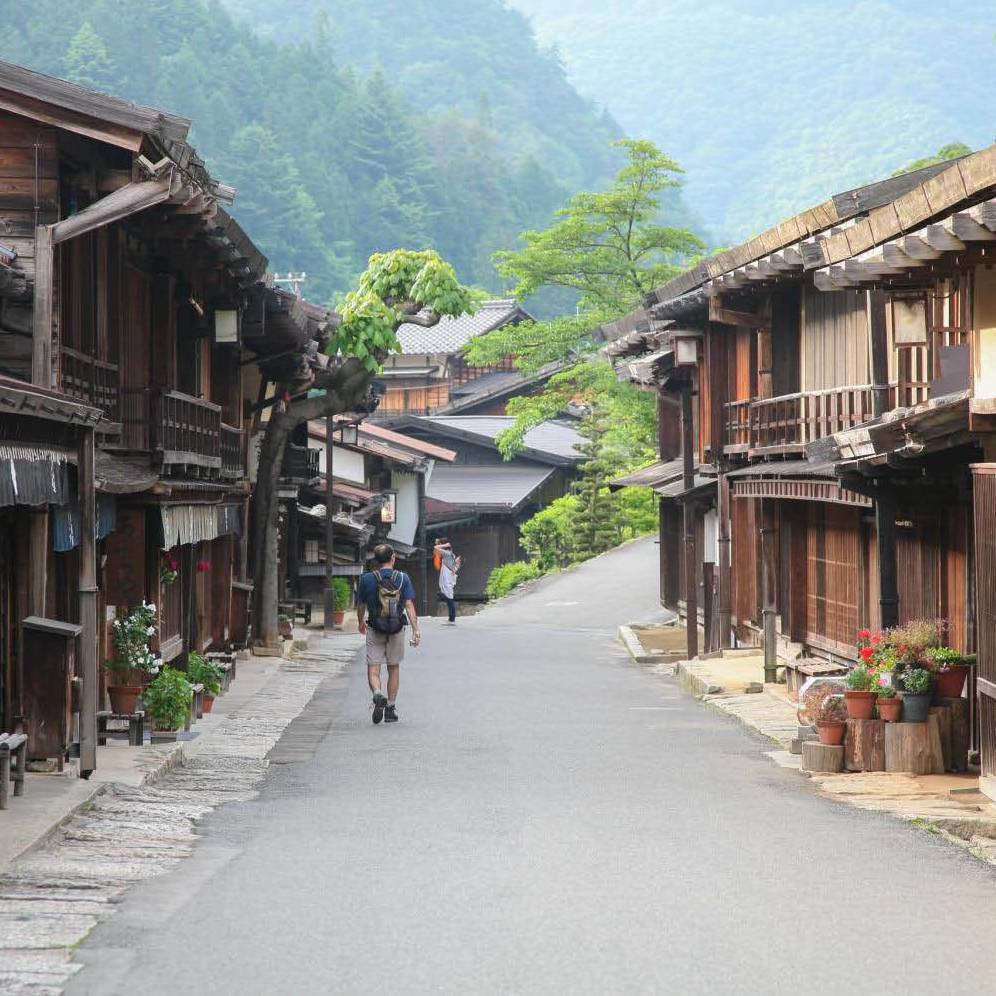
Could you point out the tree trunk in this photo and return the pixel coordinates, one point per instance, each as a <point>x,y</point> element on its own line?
<point>864,745</point>
<point>345,388</point>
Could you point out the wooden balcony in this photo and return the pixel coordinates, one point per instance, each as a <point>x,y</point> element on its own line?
<point>186,431</point>
<point>300,465</point>
<point>231,453</point>
<point>92,381</point>
<point>788,423</point>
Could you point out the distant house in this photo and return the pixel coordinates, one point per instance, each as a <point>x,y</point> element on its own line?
<point>430,377</point>
<point>479,501</point>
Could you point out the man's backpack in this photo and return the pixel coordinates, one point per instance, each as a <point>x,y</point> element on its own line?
<point>389,618</point>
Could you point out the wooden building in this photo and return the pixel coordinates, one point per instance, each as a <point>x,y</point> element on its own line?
<point>126,288</point>
<point>838,377</point>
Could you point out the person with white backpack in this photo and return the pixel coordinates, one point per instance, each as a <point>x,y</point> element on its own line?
<point>385,606</point>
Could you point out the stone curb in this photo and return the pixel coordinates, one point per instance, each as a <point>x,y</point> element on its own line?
<point>689,678</point>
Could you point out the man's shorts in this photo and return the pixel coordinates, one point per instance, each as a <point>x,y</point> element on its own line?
<point>385,648</point>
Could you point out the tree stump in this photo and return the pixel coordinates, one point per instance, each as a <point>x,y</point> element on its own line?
<point>822,757</point>
<point>960,734</point>
<point>864,745</point>
<point>943,716</point>
<point>914,747</point>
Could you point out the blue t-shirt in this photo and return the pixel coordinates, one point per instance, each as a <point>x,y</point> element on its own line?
<point>366,590</point>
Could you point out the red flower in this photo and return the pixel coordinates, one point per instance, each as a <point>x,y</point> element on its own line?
<point>203,565</point>
<point>864,634</point>
<point>867,653</point>
<point>875,640</point>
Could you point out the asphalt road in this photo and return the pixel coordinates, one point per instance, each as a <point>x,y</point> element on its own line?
<point>546,818</point>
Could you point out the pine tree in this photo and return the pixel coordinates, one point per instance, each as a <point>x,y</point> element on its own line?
<point>597,524</point>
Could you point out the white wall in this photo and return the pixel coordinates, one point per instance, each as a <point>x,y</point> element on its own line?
<point>406,523</point>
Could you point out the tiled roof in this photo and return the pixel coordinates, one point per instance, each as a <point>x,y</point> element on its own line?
<point>450,334</point>
<point>489,487</point>
<point>556,440</point>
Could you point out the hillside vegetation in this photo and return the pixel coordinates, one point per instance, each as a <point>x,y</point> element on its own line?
<point>771,107</point>
<point>433,123</point>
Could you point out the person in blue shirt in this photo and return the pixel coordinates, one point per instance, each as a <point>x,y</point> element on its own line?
<point>385,607</point>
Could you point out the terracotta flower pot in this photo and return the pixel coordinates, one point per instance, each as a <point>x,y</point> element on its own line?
<point>831,733</point>
<point>860,705</point>
<point>890,710</point>
<point>285,629</point>
<point>338,618</point>
<point>207,703</point>
<point>124,698</point>
<point>951,681</point>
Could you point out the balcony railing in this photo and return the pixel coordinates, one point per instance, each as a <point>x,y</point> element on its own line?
<point>789,422</point>
<point>186,430</point>
<point>300,464</point>
<point>92,381</point>
<point>231,453</point>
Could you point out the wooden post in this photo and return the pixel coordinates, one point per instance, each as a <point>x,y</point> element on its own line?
<point>885,527</point>
<point>708,577</point>
<point>38,574</point>
<point>688,519</point>
<point>44,293</point>
<point>329,604</point>
<point>879,352</point>
<point>822,757</point>
<point>769,574</point>
<point>422,595</point>
<point>725,580</point>
<point>88,604</point>
<point>914,747</point>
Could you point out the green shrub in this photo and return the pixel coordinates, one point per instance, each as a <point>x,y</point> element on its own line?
<point>637,511</point>
<point>503,579</point>
<point>200,671</point>
<point>167,699</point>
<point>342,593</point>
<point>548,537</point>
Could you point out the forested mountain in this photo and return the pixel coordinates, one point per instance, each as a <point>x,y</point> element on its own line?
<point>771,106</point>
<point>345,134</point>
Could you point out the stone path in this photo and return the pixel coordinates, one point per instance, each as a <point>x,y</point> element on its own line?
<point>53,897</point>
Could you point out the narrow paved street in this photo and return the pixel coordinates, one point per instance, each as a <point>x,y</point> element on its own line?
<point>545,818</point>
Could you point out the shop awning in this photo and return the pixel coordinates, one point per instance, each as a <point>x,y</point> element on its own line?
<point>185,524</point>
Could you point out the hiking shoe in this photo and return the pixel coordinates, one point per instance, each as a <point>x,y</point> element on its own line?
<point>391,714</point>
<point>380,701</point>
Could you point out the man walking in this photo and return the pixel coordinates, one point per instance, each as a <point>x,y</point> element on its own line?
<point>385,605</point>
<point>449,567</point>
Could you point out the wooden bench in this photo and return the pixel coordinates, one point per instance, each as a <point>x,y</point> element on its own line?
<point>13,764</point>
<point>135,734</point>
<point>799,671</point>
<point>297,608</point>
<point>196,706</point>
<point>227,664</point>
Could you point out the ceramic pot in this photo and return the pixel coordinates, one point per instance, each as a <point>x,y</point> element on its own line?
<point>207,703</point>
<point>860,705</point>
<point>831,733</point>
<point>891,709</point>
<point>286,629</point>
<point>124,698</point>
<point>916,708</point>
<point>951,681</point>
<point>338,618</point>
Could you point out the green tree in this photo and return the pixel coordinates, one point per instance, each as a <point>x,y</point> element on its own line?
<point>548,536</point>
<point>87,61</point>
<point>596,526</point>
<point>953,150</point>
<point>397,287</point>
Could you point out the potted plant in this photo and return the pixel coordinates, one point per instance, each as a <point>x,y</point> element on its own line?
<point>200,671</point>
<point>133,662</point>
<point>918,684</point>
<point>342,594</point>
<point>825,706</point>
<point>831,724</point>
<point>285,627</point>
<point>950,669</point>
<point>860,693</point>
<point>167,701</point>
<point>890,705</point>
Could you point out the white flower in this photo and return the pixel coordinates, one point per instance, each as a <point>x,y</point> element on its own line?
<point>151,631</point>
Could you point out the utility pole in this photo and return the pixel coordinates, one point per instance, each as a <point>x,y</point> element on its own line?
<point>688,509</point>
<point>329,610</point>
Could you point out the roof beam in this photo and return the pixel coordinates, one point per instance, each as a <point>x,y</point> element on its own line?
<point>963,226</point>
<point>916,246</point>
<point>941,238</point>
<point>125,201</point>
